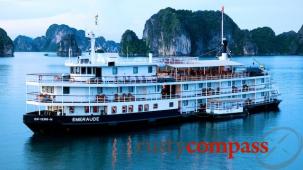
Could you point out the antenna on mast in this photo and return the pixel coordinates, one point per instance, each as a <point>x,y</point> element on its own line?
<point>96,19</point>
<point>222,25</point>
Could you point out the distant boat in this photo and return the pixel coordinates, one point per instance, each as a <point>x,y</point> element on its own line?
<point>46,54</point>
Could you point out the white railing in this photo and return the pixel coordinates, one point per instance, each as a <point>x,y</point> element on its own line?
<point>65,78</point>
<point>175,60</point>
<point>131,97</point>
<point>50,98</point>
<point>61,78</point>
<point>209,77</point>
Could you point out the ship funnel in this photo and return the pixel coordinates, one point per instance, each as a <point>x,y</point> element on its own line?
<point>224,55</point>
<point>224,50</point>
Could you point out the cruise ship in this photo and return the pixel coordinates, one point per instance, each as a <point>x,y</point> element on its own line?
<point>105,90</point>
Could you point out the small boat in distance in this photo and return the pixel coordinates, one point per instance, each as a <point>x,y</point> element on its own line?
<point>104,90</point>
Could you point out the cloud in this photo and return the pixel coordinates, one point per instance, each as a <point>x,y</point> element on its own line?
<point>38,26</point>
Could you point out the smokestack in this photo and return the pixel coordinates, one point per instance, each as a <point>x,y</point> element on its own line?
<point>224,45</point>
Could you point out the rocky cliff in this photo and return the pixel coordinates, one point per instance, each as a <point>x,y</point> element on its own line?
<point>131,45</point>
<point>60,38</point>
<point>68,42</point>
<point>184,32</point>
<point>24,44</point>
<point>300,41</point>
<point>6,45</point>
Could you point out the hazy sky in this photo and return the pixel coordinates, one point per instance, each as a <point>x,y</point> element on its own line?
<point>32,17</point>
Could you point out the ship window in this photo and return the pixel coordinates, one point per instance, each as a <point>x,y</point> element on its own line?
<point>120,90</point>
<point>86,109</point>
<point>150,69</point>
<point>83,70</point>
<point>66,90</point>
<point>262,80</point>
<point>200,85</point>
<point>72,70</point>
<point>208,84</point>
<point>114,109</point>
<point>103,110</point>
<point>99,90</point>
<point>158,88</point>
<point>146,107</point>
<point>130,108</point>
<point>262,93</point>
<point>244,82</point>
<point>171,104</point>
<point>115,70</point>
<point>71,109</point>
<point>140,108</point>
<point>135,70</point>
<point>229,83</point>
<point>47,89</point>
<point>233,83</point>
<point>155,106</point>
<point>185,103</point>
<point>131,89</point>
<point>244,96</point>
<point>185,87</point>
<point>89,70</point>
<point>77,70</point>
<point>124,109</point>
<point>95,109</point>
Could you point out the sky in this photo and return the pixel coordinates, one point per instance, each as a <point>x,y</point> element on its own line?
<point>33,17</point>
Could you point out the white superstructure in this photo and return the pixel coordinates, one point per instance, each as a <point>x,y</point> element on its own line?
<point>110,86</point>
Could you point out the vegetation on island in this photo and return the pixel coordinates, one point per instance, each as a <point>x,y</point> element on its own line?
<point>131,45</point>
<point>60,38</point>
<point>6,45</point>
<point>186,32</point>
<point>169,32</point>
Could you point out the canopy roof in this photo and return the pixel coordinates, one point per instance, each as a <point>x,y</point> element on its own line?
<point>206,63</point>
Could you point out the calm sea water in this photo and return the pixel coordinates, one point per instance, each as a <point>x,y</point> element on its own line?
<point>19,149</point>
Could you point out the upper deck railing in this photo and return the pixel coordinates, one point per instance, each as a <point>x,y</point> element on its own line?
<point>158,60</point>
<point>176,60</point>
<point>130,97</point>
<point>63,78</point>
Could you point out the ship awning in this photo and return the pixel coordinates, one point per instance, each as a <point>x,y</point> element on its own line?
<point>206,63</point>
<point>226,100</point>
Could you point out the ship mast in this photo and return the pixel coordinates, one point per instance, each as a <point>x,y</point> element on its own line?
<point>92,37</point>
<point>222,27</point>
<point>224,55</point>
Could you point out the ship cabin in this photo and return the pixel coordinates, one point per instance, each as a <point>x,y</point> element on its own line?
<point>201,70</point>
<point>112,71</point>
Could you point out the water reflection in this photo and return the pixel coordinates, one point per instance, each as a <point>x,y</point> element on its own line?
<point>160,146</point>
